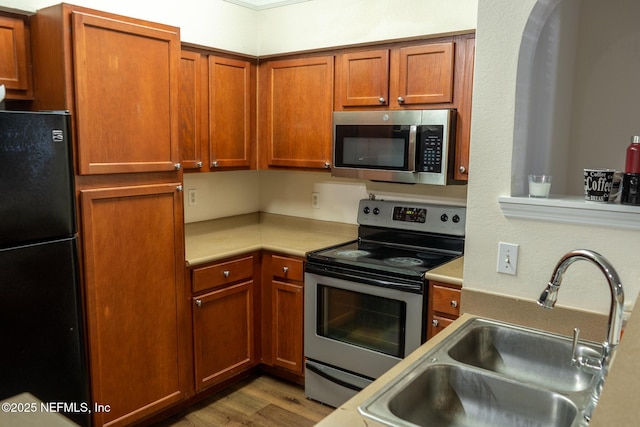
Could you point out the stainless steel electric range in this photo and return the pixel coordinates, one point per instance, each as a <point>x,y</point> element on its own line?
<point>366,300</point>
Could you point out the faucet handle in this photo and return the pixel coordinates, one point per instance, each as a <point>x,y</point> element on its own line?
<point>574,348</point>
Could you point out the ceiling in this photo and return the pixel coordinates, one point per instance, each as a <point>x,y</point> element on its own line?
<point>264,4</point>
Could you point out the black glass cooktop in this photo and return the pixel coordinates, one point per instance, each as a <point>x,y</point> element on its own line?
<point>380,257</point>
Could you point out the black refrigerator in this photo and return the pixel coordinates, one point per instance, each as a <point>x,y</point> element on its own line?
<point>42,342</point>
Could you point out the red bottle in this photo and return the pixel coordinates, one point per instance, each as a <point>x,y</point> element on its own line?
<point>633,156</point>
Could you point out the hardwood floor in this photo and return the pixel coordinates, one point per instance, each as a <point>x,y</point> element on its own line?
<point>261,401</point>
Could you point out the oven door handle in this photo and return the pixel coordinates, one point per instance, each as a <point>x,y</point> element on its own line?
<point>316,370</point>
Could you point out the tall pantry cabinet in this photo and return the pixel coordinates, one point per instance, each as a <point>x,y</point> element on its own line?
<point>118,77</point>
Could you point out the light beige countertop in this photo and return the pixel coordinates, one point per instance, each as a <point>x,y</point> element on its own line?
<point>217,239</point>
<point>450,272</point>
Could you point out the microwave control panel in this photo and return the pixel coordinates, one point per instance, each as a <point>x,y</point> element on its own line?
<point>430,149</point>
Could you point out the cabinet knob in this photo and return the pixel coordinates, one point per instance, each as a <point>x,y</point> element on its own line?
<point>381,100</point>
<point>454,304</point>
<point>225,273</point>
<point>199,164</point>
<point>400,99</point>
<point>327,165</point>
<point>462,169</point>
<point>198,302</point>
<point>435,323</point>
<point>285,270</point>
<point>179,188</point>
<point>178,166</point>
<point>214,164</point>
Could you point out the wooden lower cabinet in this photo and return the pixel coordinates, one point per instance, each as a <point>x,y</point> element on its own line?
<point>443,306</point>
<point>224,319</point>
<point>223,333</point>
<point>133,259</point>
<point>283,305</point>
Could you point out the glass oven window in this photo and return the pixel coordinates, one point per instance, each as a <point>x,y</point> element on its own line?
<point>363,320</point>
<point>374,147</point>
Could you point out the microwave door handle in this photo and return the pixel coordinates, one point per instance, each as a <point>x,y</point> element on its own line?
<point>413,130</point>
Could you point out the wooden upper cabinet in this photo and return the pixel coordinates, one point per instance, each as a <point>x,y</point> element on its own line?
<point>126,87</point>
<point>190,110</point>
<point>424,74</point>
<point>406,76</point>
<point>217,110</point>
<point>118,76</point>
<point>296,106</point>
<point>230,97</point>
<point>15,57</point>
<point>364,78</point>
<point>463,139</point>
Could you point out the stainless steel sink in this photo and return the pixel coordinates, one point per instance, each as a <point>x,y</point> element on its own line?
<point>535,358</point>
<point>489,373</point>
<point>448,395</point>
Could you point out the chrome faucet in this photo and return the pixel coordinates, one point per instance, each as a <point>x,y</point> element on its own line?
<point>549,297</point>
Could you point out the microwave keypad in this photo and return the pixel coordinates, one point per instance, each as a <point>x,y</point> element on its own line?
<point>430,149</point>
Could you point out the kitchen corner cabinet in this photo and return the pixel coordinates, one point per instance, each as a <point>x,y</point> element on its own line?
<point>296,105</point>
<point>443,306</point>
<point>283,314</point>
<point>217,130</point>
<point>15,56</point>
<point>224,332</point>
<point>119,77</point>
<point>133,258</point>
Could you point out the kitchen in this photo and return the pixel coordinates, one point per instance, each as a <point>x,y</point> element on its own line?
<point>499,28</point>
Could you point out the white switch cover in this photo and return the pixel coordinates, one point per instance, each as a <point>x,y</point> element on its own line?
<point>507,258</point>
<point>315,200</point>
<point>192,197</point>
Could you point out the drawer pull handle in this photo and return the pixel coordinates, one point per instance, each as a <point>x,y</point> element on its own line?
<point>225,273</point>
<point>285,270</point>
<point>198,302</point>
<point>435,323</point>
<point>454,304</point>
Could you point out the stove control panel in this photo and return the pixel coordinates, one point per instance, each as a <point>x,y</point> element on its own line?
<point>402,215</point>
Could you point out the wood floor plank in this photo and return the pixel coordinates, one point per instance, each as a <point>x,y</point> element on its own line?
<point>260,401</point>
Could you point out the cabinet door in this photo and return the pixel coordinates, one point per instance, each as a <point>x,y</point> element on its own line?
<point>230,97</point>
<point>287,326</point>
<point>363,78</point>
<point>463,138</point>
<point>190,110</point>
<point>424,74</point>
<point>223,333</point>
<point>134,271</point>
<point>14,58</point>
<point>126,87</point>
<point>296,108</point>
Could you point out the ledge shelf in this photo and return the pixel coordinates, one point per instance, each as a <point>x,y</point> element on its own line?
<point>571,210</point>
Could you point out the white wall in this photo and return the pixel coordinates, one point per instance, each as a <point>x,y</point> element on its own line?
<point>326,23</point>
<point>500,28</point>
<point>206,22</point>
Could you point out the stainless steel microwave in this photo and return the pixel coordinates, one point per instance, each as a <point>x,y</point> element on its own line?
<point>408,146</point>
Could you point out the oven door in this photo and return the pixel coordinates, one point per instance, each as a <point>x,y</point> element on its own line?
<point>357,327</point>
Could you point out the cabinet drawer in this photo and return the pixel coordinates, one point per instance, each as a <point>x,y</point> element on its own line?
<point>287,268</point>
<point>222,274</point>
<point>446,300</point>
<point>439,323</point>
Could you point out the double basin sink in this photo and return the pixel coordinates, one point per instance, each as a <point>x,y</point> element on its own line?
<point>488,373</point>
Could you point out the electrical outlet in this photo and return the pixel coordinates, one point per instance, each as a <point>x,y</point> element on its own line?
<point>192,197</point>
<point>507,258</point>
<point>315,200</point>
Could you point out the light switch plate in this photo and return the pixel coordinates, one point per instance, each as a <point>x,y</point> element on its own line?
<point>507,258</point>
